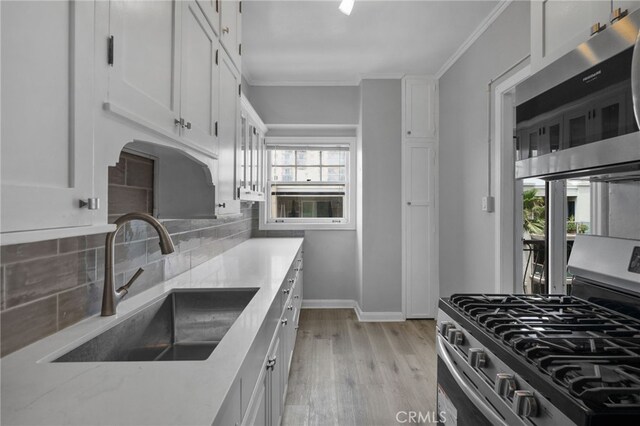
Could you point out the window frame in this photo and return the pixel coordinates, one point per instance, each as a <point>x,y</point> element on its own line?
<point>349,221</point>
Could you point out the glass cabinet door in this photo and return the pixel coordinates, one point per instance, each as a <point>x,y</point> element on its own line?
<point>242,153</point>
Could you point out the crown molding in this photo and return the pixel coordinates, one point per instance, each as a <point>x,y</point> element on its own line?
<point>484,25</point>
<point>321,83</point>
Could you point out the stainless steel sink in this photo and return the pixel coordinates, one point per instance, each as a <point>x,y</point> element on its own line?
<point>187,325</point>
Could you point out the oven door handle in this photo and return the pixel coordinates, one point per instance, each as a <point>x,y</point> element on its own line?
<point>468,389</point>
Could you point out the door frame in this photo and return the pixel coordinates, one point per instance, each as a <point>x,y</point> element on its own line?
<point>508,242</point>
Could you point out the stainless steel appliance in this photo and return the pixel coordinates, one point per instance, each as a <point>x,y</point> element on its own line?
<point>580,114</point>
<point>547,359</point>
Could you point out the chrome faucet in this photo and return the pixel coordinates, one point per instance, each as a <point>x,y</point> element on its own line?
<point>110,296</point>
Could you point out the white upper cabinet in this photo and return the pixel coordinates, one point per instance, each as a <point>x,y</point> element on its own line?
<point>420,105</point>
<point>231,29</point>
<point>144,79</point>
<point>46,126</point>
<point>211,10</point>
<point>229,134</point>
<point>559,26</point>
<point>163,73</point>
<point>251,154</point>
<point>200,80</point>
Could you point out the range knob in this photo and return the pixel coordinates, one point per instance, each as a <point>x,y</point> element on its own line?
<point>524,403</point>
<point>444,327</point>
<point>477,357</point>
<point>505,384</point>
<point>455,336</point>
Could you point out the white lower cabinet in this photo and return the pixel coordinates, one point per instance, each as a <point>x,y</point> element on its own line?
<point>266,404</point>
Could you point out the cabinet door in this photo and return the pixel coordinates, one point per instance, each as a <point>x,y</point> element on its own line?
<point>229,131</point>
<point>144,78</point>
<point>199,87</point>
<point>255,147</point>
<point>559,26</point>
<point>230,28</point>
<point>419,119</point>
<point>276,388</point>
<point>46,124</point>
<point>211,10</point>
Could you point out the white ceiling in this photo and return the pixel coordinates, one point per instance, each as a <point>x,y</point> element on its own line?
<point>312,42</point>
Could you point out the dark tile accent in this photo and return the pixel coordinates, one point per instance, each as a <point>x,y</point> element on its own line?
<point>27,323</point>
<point>31,280</point>
<point>176,264</point>
<point>208,234</point>
<point>204,223</point>
<point>130,256</point>
<point>79,303</point>
<point>139,173</point>
<point>137,230</point>
<point>123,200</point>
<point>176,226</point>
<point>67,245</point>
<point>233,228</point>
<point>186,241</point>
<point>116,173</point>
<point>22,252</point>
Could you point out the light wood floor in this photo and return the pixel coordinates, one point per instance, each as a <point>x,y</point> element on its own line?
<point>346,372</point>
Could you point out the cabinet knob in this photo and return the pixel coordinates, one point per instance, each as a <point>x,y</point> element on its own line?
<point>286,291</point>
<point>225,30</point>
<point>284,321</point>
<point>296,297</point>
<point>188,125</point>
<point>90,203</point>
<point>408,132</point>
<point>290,280</point>
<point>178,121</point>
<point>290,307</point>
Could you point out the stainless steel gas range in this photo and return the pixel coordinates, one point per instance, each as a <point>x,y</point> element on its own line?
<point>547,359</point>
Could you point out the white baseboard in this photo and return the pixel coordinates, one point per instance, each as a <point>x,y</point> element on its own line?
<point>352,304</point>
<point>378,316</point>
<point>328,304</point>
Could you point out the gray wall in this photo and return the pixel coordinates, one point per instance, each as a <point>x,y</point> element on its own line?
<point>306,105</point>
<point>381,210</point>
<point>330,256</point>
<point>466,233</point>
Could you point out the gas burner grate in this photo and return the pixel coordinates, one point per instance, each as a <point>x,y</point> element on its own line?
<point>591,351</point>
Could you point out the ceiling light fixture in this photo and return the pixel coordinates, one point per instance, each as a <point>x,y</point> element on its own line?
<point>346,6</point>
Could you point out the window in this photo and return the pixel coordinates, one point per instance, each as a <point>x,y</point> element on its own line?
<point>309,183</point>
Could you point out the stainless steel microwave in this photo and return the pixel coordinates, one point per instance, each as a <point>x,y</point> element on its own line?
<point>580,114</point>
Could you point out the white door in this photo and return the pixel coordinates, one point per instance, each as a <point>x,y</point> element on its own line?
<point>46,126</point>
<point>231,32</point>
<point>199,88</point>
<point>144,77</point>
<point>419,186</point>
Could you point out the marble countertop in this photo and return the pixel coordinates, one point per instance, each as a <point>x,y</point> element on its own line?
<point>38,392</point>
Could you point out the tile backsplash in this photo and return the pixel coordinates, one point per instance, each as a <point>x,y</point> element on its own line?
<point>49,285</point>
